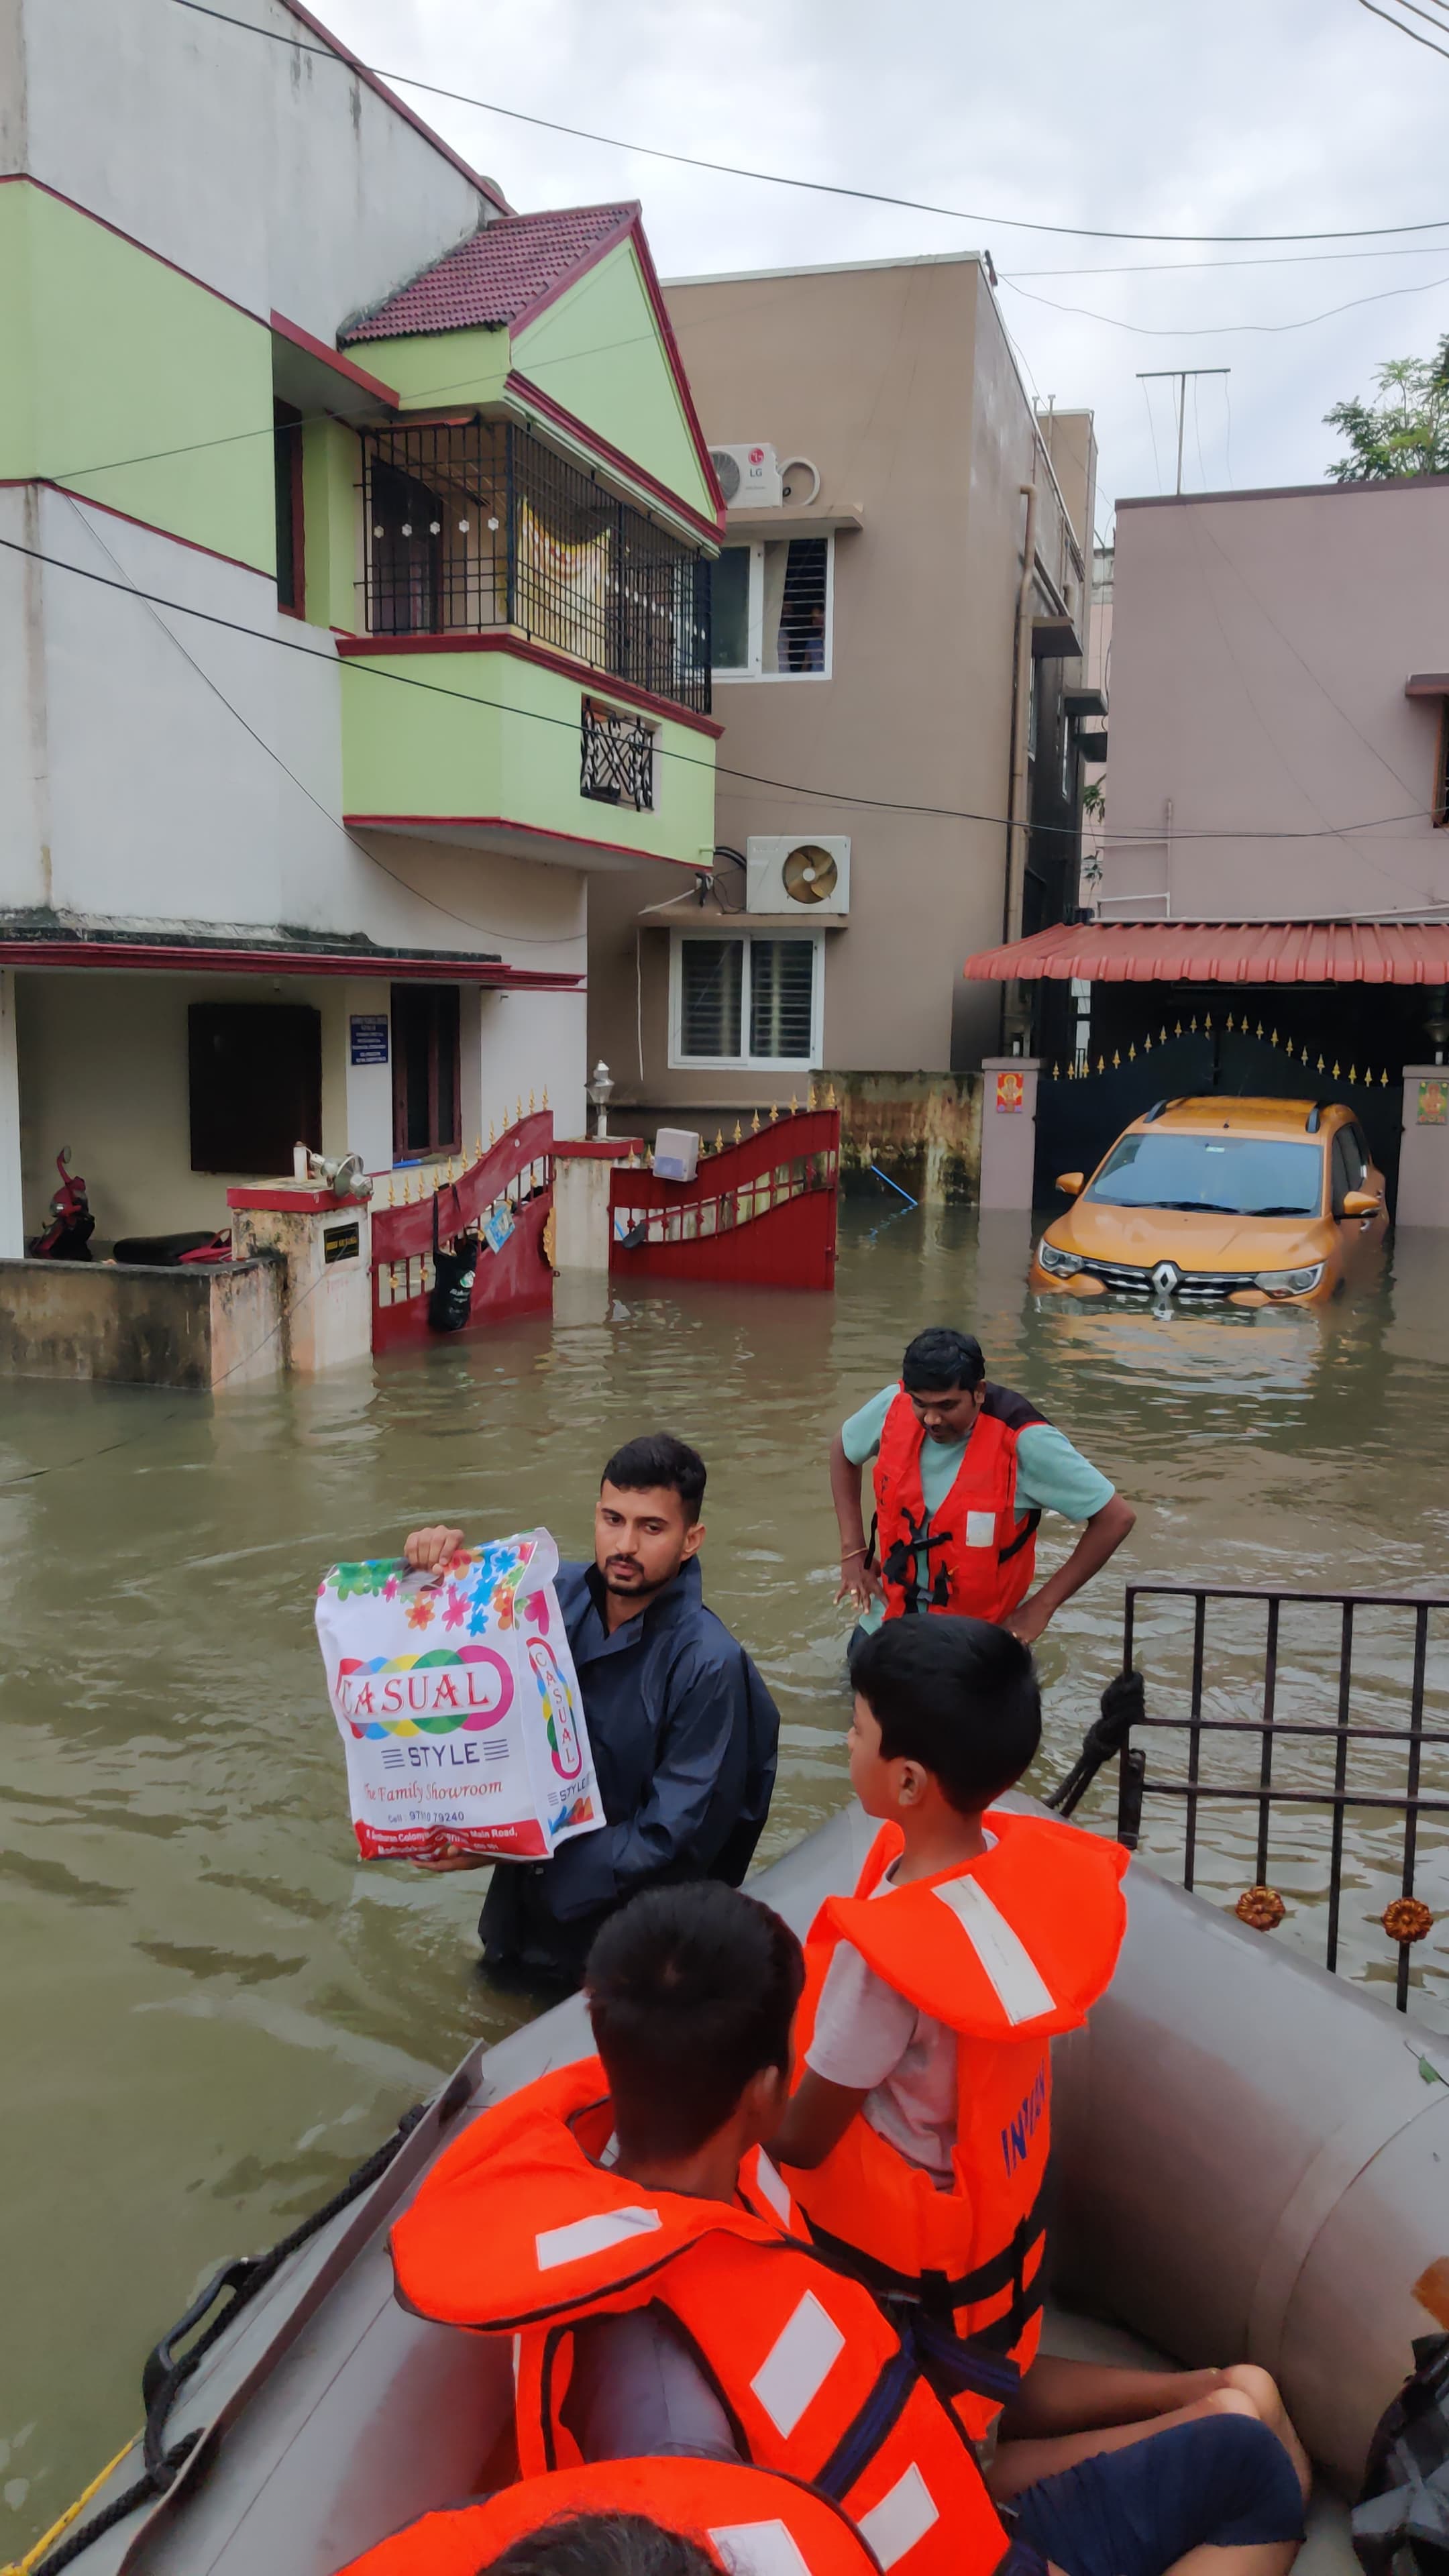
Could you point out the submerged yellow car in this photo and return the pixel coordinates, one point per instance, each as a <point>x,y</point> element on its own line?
<point>1253,1201</point>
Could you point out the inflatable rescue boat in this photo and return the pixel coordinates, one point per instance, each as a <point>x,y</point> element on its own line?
<point>1252,2163</point>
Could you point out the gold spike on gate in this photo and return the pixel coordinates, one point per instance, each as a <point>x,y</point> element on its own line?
<point>545,1095</point>
<point>794,1106</point>
<point>830,1099</point>
<point>1071,1073</point>
<point>492,1134</point>
<point>1384,1078</point>
<point>774,1112</point>
<point>1192,1026</point>
<point>1177,1032</point>
<point>1162,1034</point>
<point>755,1124</point>
<point>478,1147</point>
<point>738,1138</point>
<point>719,1140</point>
<point>1116,1061</point>
<point>1101,1064</point>
<point>1147,1043</point>
<point>1230,1023</point>
<point>1207,1020</point>
<point>518,1110</point>
<point>1273,1040</point>
<point>1132,1055</point>
<point>531,1110</point>
<point>1056,1073</point>
<point>1260,1027</point>
<point>1353,1073</point>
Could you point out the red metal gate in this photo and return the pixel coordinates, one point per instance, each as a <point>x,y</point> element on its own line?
<point>510,1189</point>
<point>760,1211</point>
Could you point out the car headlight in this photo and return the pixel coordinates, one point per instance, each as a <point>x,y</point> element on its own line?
<point>1292,1283</point>
<point>1052,1259</point>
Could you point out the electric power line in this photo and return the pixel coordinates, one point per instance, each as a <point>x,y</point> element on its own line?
<point>781,179</point>
<point>1215,330</point>
<point>723,769</point>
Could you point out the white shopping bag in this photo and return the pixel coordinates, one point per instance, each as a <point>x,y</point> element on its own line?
<point>458,1703</point>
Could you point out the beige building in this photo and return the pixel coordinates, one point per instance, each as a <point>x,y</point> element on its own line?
<point>890,677</point>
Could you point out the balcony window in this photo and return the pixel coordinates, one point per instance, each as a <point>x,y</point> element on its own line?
<point>476,525</point>
<point>425,1070</point>
<point>287,474</point>
<point>771,609</point>
<point>616,758</point>
<point>749,1001</point>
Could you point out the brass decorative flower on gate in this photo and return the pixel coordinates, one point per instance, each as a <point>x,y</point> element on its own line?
<point>1261,1908</point>
<point>1407,1919</point>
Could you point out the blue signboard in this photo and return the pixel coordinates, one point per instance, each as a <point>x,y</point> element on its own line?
<point>369,1037</point>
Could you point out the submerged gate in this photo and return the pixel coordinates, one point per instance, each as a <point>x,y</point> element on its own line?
<point>1349,1693</point>
<point>506,1195</point>
<point>761,1211</point>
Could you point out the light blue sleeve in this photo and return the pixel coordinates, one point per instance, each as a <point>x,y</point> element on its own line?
<point>1052,1476</point>
<point>860,1436</point>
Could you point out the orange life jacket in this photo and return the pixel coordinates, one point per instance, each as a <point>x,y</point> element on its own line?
<point>981,1555</point>
<point>1007,1952</point>
<point>752,2522</point>
<point>518,2229</point>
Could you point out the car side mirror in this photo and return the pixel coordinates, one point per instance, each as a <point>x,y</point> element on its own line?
<point>1361,1203</point>
<point>1070,1184</point>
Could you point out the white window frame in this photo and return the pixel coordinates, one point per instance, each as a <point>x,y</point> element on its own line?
<point>755,616</point>
<point>679,1062</point>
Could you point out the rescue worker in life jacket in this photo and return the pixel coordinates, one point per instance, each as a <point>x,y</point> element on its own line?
<point>917,2141</point>
<point>963,1473</point>
<point>620,2221</point>
<point>674,2516</point>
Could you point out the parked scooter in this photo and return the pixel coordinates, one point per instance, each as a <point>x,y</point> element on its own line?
<point>68,1235</point>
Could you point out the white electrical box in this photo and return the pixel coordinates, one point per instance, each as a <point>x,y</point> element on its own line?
<point>786,872</point>
<point>676,1154</point>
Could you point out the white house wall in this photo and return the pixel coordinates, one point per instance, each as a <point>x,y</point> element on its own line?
<point>272,172</point>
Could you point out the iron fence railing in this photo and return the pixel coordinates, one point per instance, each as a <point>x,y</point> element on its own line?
<point>477,524</point>
<point>1360,1751</point>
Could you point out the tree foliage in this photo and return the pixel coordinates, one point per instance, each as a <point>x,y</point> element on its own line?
<point>1406,431</point>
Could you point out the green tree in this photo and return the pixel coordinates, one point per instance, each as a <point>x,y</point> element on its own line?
<point>1406,431</point>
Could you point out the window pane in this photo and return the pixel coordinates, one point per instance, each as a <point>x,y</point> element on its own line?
<point>729,609</point>
<point>795,578</point>
<point>711,975</point>
<point>782,984</point>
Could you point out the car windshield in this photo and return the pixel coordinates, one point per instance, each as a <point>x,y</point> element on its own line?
<point>1230,1175</point>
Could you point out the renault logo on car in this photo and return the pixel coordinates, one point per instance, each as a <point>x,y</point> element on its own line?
<point>1167,1278</point>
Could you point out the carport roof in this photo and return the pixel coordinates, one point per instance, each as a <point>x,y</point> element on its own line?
<point>1222,952</point>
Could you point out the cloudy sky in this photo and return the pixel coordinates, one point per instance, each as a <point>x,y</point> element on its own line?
<point>1255,116</point>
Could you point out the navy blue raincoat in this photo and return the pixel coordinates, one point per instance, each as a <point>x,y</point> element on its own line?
<point>684,1736</point>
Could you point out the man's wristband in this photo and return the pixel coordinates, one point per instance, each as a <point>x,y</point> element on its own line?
<point>847,1553</point>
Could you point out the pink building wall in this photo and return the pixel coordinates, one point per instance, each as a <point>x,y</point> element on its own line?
<point>1261,642</point>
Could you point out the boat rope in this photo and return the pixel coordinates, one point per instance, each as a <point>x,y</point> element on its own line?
<point>167,2372</point>
<point>1123,1707</point>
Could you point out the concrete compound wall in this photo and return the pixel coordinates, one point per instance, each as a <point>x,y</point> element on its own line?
<point>82,1320</point>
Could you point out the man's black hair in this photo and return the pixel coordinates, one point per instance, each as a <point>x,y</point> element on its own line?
<point>956,1695</point>
<point>691,1991</point>
<point>656,1458</point>
<point>940,1358</point>
<point>603,2544</point>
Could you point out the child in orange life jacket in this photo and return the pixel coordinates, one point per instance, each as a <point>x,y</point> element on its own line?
<point>917,2141</point>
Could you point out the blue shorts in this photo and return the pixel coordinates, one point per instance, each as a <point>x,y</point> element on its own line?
<point>1222,2481</point>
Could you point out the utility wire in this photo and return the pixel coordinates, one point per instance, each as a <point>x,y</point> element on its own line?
<point>782,179</point>
<point>1215,330</point>
<point>751,777</point>
<point>1375,11</point>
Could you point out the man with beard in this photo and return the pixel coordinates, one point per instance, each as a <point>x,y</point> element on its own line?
<point>683,1730</point>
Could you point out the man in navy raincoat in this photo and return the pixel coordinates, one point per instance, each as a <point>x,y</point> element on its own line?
<point>683,1730</point>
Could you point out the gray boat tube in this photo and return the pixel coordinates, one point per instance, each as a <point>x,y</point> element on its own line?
<point>1251,2162</point>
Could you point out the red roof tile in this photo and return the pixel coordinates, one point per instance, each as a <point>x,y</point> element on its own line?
<point>1224,952</point>
<point>499,274</point>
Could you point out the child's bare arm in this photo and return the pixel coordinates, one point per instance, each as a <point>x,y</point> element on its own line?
<point>818,2117</point>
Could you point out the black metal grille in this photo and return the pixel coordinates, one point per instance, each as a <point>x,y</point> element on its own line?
<point>1309,1769</point>
<point>477,524</point>
<point>1128,1280</point>
<point>616,758</point>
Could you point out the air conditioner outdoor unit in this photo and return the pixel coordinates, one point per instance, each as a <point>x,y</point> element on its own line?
<point>787,873</point>
<point>749,476</point>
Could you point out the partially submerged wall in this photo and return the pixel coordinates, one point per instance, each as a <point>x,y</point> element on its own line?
<point>84,1320</point>
<point>924,1129</point>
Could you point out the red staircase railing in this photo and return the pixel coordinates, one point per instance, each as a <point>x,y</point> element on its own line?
<point>512,1185</point>
<point>760,1211</point>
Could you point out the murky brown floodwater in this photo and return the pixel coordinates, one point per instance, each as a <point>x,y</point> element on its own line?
<point>209,2011</point>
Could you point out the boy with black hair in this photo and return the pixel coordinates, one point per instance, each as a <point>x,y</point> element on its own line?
<point>683,1731</point>
<point>623,2213</point>
<point>918,2139</point>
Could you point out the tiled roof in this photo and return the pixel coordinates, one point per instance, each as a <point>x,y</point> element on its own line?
<point>498,274</point>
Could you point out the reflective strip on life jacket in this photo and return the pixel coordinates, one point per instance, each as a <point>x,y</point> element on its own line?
<point>518,2227</point>
<point>980,1554</point>
<point>752,2522</point>
<point>1007,1953</point>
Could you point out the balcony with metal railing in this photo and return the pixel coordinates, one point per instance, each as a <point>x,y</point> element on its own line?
<point>552,642</point>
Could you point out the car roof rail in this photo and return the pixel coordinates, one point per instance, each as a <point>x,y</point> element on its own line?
<point>1311,1122</point>
<point>1155,1111</point>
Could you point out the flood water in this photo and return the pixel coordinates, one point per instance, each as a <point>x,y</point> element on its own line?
<point>209,2011</point>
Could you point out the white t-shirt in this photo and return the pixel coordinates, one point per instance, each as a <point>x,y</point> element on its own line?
<point>872,2039</point>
